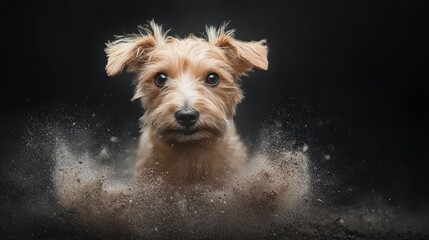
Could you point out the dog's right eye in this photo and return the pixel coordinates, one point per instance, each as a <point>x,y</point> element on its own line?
<point>160,79</point>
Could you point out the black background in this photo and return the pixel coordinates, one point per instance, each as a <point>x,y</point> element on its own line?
<point>348,78</point>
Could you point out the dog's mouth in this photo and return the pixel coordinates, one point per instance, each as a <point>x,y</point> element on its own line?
<point>193,133</point>
<point>189,131</point>
<point>185,131</point>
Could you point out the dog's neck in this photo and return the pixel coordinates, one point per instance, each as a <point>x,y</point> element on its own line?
<point>208,159</point>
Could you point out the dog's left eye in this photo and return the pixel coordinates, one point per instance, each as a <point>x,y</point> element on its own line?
<point>212,79</point>
<point>160,79</point>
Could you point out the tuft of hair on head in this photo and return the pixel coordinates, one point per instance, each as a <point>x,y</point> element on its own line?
<point>130,50</point>
<point>154,29</point>
<point>244,56</point>
<point>214,33</point>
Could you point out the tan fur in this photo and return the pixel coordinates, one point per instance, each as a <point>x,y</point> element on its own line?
<point>215,149</point>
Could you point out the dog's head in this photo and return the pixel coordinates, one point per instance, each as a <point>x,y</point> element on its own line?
<point>188,87</point>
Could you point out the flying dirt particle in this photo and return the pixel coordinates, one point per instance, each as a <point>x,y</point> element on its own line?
<point>103,153</point>
<point>327,156</point>
<point>114,139</point>
<point>305,148</point>
<point>339,221</point>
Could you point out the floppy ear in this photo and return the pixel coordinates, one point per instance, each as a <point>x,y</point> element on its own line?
<point>243,55</point>
<point>130,50</point>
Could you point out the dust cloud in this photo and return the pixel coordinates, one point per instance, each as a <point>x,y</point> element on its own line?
<point>270,189</point>
<point>75,179</point>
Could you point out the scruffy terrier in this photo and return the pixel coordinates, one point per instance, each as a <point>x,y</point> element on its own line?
<point>189,89</point>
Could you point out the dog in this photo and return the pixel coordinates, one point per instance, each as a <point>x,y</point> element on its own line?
<point>189,88</point>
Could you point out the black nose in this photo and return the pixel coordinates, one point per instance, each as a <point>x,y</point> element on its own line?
<point>187,117</point>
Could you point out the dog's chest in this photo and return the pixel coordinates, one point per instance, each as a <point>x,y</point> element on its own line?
<point>191,163</point>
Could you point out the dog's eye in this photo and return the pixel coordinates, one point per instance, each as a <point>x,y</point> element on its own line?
<point>160,79</point>
<point>212,79</point>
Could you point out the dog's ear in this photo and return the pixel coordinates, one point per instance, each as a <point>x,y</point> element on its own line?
<point>130,50</point>
<point>126,52</point>
<point>243,55</point>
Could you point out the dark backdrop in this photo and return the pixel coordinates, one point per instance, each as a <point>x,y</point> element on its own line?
<point>347,78</point>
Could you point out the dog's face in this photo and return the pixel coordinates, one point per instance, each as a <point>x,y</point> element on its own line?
<point>188,87</point>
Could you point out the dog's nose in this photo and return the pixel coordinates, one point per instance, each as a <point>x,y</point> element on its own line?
<point>187,117</point>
